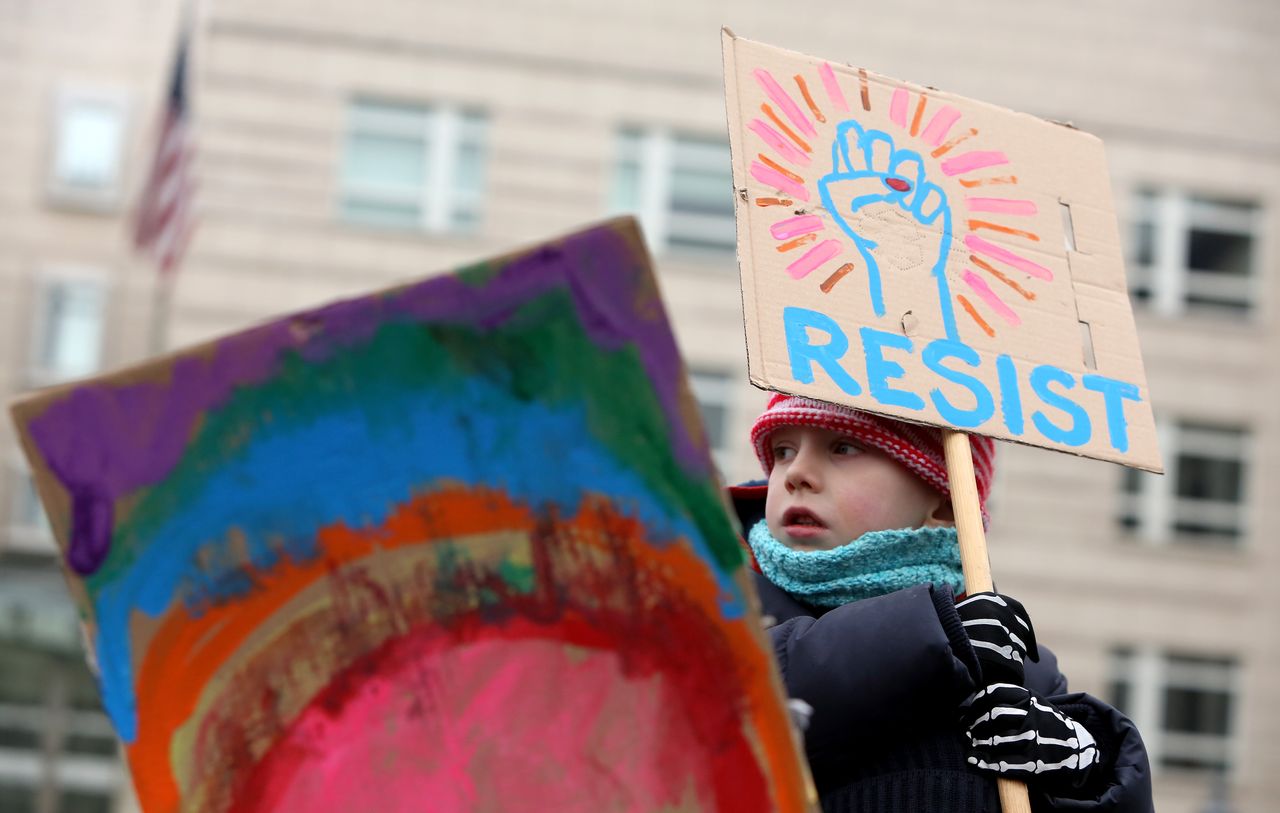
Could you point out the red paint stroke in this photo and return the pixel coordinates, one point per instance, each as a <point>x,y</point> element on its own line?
<point>575,715</point>
<point>331,615</point>
<point>898,184</point>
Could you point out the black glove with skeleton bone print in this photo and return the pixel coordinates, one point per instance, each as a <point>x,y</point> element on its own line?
<point>1013,733</point>
<point>1001,634</point>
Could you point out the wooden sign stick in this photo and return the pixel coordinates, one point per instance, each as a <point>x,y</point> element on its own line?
<point>976,564</point>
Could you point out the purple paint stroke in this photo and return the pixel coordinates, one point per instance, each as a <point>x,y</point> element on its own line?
<point>104,441</point>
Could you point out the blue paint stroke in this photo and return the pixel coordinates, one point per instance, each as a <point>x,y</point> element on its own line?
<point>354,466</point>
<point>860,184</point>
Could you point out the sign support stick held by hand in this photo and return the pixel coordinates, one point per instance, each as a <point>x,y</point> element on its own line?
<point>974,560</point>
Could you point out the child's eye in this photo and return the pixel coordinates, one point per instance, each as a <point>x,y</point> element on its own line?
<point>781,453</point>
<point>844,447</point>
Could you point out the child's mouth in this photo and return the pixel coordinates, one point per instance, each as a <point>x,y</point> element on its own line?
<point>801,520</point>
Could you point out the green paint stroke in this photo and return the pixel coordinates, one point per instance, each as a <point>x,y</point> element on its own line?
<point>540,354</point>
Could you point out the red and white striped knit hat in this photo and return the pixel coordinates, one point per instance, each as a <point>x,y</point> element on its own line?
<point>917,447</point>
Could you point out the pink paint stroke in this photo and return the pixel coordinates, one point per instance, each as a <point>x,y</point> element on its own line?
<point>938,127</point>
<point>833,88</point>
<point>772,178</point>
<point>898,107</point>
<point>783,147</point>
<point>980,287</point>
<point>977,159</point>
<point>813,258</point>
<point>977,244</point>
<point>784,101</point>
<point>792,227</point>
<point>1004,206</point>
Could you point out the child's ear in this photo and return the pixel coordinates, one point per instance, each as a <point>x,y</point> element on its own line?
<point>943,515</point>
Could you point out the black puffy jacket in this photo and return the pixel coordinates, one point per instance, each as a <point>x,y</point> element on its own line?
<point>885,677</point>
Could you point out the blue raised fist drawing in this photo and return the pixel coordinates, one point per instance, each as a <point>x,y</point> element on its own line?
<point>875,185</point>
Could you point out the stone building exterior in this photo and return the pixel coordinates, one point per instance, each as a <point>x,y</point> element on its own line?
<point>344,147</point>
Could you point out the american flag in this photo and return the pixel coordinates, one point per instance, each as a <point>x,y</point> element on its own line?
<point>164,217</point>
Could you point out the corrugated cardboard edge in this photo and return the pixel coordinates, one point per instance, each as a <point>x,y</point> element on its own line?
<point>55,500</point>
<point>758,375</point>
<point>728,45</point>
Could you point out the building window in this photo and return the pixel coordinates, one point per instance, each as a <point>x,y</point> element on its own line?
<point>713,390</point>
<point>1184,704</point>
<point>88,149</point>
<point>413,167</point>
<point>1202,496</point>
<point>1190,252</point>
<point>29,529</point>
<point>67,337</point>
<point>57,747</point>
<point>681,188</point>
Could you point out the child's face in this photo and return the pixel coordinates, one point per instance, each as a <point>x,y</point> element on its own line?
<point>825,490</point>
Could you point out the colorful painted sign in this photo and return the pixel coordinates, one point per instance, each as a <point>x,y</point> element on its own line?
<point>455,546</point>
<point>917,254</point>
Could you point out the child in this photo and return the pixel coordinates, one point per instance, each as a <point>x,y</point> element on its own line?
<point>917,700</point>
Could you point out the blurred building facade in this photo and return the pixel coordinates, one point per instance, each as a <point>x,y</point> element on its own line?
<point>345,147</point>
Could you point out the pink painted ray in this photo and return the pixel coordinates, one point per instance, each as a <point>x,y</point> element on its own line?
<point>780,145</point>
<point>898,107</point>
<point>776,180</point>
<point>980,287</point>
<point>938,127</point>
<point>975,159</point>
<point>784,101</point>
<point>979,246</point>
<point>1003,206</point>
<point>834,93</point>
<point>814,257</point>
<point>795,226</point>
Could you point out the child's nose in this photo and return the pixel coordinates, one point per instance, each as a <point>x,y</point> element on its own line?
<point>803,470</point>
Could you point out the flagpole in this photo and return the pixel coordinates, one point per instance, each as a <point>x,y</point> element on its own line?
<point>163,225</point>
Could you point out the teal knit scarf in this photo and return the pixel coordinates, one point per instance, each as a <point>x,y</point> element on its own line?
<point>876,563</point>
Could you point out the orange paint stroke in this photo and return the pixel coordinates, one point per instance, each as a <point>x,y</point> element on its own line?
<point>774,202</point>
<point>831,281</point>
<point>187,651</point>
<point>915,121</point>
<point>791,134</point>
<point>804,91</point>
<point>797,242</point>
<point>969,184</point>
<point>866,93</point>
<point>786,173</point>
<point>995,272</point>
<point>982,323</point>
<point>945,148</point>
<point>974,225</point>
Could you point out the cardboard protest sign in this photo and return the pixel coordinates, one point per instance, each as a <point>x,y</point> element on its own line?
<point>922,255</point>
<point>458,543</point>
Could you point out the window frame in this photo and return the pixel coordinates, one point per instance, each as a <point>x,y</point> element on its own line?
<point>1173,213</point>
<point>1148,673</point>
<point>23,536</point>
<point>107,198</point>
<point>1153,510</point>
<point>38,372</point>
<point>443,132</point>
<point>714,386</point>
<point>654,150</point>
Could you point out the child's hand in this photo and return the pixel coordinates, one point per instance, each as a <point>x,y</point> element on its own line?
<point>1001,634</point>
<point>1014,733</point>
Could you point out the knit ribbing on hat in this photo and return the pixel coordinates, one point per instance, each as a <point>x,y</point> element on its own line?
<point>917,447</point>
<point>874,564</point>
